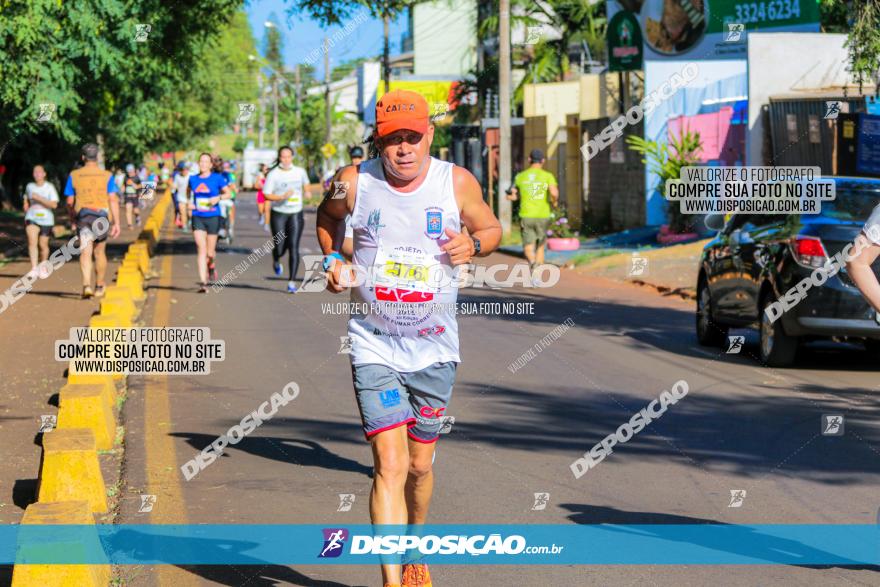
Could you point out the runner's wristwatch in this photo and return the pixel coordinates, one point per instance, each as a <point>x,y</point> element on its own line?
<point>476,245</point>
<point>327,263</point>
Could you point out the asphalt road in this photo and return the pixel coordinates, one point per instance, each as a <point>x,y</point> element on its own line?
<point>741,427</point>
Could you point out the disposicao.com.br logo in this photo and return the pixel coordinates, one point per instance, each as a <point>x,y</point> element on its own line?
<point>432,544</point>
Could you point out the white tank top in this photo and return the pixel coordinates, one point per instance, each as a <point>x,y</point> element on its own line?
<point>409,285</point>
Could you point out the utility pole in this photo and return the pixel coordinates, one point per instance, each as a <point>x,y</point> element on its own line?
<point>262,108</point>
<point>275,107</point>
<point>327,117</point>
<point>386,50</point>
<point>504,158</point>
<point>298,110</point>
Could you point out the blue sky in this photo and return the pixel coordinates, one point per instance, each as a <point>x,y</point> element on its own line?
<point>302,35</point>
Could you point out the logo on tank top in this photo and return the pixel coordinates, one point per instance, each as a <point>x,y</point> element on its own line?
<point>373,222</point>
<point>403,296</point>
<point>434,222</point>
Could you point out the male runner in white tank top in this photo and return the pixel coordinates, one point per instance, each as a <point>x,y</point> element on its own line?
<point>407,210</point>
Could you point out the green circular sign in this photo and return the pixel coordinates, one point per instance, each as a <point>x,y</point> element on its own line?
<point>624,42</point>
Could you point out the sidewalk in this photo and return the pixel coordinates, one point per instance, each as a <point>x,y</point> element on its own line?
<point>29,374</point>
<point>671,270</point>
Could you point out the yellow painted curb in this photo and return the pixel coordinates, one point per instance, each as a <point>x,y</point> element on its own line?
<point>70,471</point>
<point>141,257</point>
<point>87,406</point>
<point>143,254</point>
<point>133,281</point>
<point>92,379</point>
<point>132,262</point>
<point>122,307</point>
<point>138,246</point>
<point>117,292</point>
<point>46,575</point>
<point>151,227</point>
<point>71,370</point>
<point>107,321</point>
<point>151,246</point>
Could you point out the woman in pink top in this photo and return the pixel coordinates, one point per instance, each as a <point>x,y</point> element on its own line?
<point>261,199</point>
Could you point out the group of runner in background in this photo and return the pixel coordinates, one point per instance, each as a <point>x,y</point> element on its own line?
<point>204,195</point>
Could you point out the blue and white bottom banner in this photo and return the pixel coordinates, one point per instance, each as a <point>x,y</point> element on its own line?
<point>486,544</point>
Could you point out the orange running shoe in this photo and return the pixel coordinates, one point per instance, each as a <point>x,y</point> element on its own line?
<point>416,575</point>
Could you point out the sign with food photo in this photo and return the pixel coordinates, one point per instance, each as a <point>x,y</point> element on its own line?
<point>713,29</point>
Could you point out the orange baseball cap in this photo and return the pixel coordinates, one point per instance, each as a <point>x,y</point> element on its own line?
<point>401,109</point>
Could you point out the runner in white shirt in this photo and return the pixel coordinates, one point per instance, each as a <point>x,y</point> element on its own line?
<point>181,185</point>
<point>407,210</point>
<point>40,199</point>
<point>284,188</point>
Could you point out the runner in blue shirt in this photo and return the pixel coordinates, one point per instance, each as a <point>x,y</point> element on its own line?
<point>207,189</point>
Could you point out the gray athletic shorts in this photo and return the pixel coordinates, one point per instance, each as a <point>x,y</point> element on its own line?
<point>388,399</point>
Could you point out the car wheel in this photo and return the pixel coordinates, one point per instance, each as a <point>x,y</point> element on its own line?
<point>872,345</point>
<point>709,332</point>
<point>777,348</point>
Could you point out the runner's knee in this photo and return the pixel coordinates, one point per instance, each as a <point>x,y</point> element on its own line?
<point>392,465</point>
<point>419,467</point>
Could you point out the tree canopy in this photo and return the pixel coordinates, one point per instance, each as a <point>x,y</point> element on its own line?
<point>136,76</point>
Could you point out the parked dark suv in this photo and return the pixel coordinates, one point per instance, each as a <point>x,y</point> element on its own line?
<point>755,259</point>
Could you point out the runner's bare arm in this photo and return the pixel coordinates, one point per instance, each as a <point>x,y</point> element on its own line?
<point>476,216</point>
<point>347,249</point>
<point>331,225</point>
<point>332,212</point>
<point>859,269</point>
<point>276,197</point>
<point>71,211</point>
<point>42,201</point>
<point>115,228</point>
<point>554,195</point>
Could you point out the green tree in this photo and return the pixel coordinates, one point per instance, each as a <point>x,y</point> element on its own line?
<point>861,20</point>
<point>576,21</point>
<point>666,160</point>
<point>864,41</point>
<point>345,68</point>
<point>833,16</point>
<point>128,73</point>
<point>334,12</point>
<point>310,126</point>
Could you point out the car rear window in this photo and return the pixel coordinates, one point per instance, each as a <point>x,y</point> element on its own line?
<point>853,203</point>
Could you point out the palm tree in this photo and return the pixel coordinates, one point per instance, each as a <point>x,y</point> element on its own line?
<point>547,61</point>
<point>666,161</point>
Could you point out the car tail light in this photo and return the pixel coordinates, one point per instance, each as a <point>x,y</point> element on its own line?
<point>809,251</point>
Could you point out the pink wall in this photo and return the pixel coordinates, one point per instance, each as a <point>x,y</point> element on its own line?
<point>721,140</point>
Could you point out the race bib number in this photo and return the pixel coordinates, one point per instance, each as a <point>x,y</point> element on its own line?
<point>407,270</point>
<point>294,200</point>
<point>41,214</point>
<point>204,204</point>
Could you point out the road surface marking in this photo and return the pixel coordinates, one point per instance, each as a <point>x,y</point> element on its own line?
<point>163,475</point>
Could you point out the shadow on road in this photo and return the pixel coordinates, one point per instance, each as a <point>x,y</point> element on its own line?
<point>56,294</point>
<point>710,429</point>
<point>741,539</point>
<point>261,575</point>
<point>251,571</point>
<point>296,451</point>
<point>668,329</point>
<point>24,492</point>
